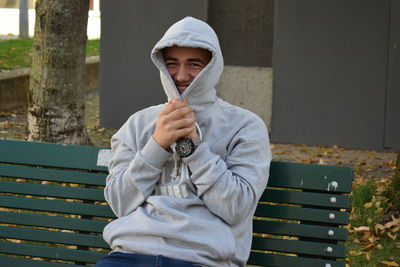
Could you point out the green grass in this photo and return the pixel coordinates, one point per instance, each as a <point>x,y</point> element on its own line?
<point>15,54</point>
<point>371,247</point>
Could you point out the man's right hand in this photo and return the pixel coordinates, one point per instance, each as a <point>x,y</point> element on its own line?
<point>175,120</point>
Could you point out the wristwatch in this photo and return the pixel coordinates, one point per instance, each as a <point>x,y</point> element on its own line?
<point>185,146</point>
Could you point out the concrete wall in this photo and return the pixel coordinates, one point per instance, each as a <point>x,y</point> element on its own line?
<point>248,87</point>
<point>245,31</point>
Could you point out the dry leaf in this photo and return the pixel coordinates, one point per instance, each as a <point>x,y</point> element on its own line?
<point>379,210</point>
<point>369,245</point>
<point>379,246</point>
<point>367,256</point>
<point>390,263</point>
<point>354,253</point>
<point>395,222</point>
<point>393,237</point>
<point>367,235</point>
<point>372,239</point>
<point>396,229</point>
<point>368,205</point>
<point>379,226</point>
<point>361,228</point>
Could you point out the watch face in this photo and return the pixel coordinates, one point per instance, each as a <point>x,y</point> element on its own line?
<point>184,147</point>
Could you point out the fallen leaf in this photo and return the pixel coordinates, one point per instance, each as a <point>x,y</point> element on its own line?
<point>354,253</point>
<point>367,256</point>
<point>361,228</point>
<point>393,237</point>
<point>390,263</point>
<point>379,228</point>
<point>395,222</point>
<point>369,245</point>
<point>367,235</point>
<point>368,205</point>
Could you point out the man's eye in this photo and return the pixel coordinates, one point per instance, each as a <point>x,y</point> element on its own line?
<point>170,64</point>
<point>196,65</point>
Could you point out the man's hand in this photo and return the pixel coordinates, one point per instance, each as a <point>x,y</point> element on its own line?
<point>176,120</point>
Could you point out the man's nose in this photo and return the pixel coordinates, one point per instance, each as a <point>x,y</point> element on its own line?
<point>182,74</point>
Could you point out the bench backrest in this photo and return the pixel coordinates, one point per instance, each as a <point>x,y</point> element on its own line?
<point>52,209</point>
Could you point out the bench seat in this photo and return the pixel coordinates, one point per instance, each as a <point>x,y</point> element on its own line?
<point>52,209</point>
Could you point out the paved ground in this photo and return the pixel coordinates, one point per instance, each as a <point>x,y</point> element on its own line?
<point>367,163</point>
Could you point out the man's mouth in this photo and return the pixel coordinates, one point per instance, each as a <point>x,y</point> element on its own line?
<point>181,88</point>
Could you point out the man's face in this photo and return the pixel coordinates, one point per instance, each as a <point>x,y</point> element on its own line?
<point>184,64</point>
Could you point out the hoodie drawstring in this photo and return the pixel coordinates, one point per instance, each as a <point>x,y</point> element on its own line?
<point>179,172</point>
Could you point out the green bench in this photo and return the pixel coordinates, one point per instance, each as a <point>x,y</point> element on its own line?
<point>52,209</point>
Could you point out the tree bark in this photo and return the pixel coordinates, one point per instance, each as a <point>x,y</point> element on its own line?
<point>394,190</point>
<point>56,95</point>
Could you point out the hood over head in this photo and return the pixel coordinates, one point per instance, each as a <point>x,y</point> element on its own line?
<point>191,32</point>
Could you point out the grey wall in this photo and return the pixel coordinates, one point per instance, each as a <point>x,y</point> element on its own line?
<point>330,72</point>
<point>129,30</point>
<point>392,119</point>
<point>245,30</point>
<point>130,82</point>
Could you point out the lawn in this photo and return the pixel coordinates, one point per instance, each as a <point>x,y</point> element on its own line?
<point>15,54</point>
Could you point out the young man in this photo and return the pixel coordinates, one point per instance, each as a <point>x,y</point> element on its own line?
<point>185,176</point>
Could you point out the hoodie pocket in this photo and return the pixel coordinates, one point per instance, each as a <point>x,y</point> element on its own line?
<point>222,241</point>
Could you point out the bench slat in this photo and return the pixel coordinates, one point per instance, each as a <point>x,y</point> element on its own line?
<point>300,230</point>
<point>299,247</point>
<point>52,191</point>
<point>277,260</point>
<point>78,177</point>
<point>49,154</point>
<point>40,235</point>
<point>50,252</point>
<point>56,206</point>
<point>57,222</point>
<point>310,176</point>
<point>302,214</point>
<point>8,261</point>
<point>306,198</point>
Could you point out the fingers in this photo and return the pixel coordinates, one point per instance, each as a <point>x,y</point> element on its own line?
<point>176,120</point>
<point>173,104</point>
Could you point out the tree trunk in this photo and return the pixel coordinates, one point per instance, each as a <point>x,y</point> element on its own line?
<point>394,190</point>
<point>56,94</point>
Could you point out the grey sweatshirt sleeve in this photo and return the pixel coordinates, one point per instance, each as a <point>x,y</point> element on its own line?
<point>133,175</point>
<point>232,188</point>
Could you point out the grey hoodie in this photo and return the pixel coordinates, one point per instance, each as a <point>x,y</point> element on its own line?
<point>197,209</point>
